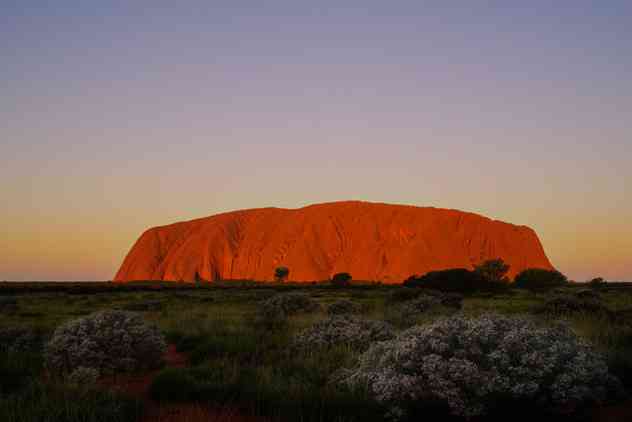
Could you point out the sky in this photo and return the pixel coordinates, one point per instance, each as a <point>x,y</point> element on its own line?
<point>116,116</point>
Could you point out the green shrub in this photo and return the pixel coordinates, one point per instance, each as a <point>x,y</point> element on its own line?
<point>538,278</point>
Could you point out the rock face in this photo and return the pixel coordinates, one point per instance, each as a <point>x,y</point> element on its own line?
<point>369,240</point>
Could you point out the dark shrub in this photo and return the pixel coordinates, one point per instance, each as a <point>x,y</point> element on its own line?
<point>341,279</point>
<point>538,278</point>
<point>457,280</point>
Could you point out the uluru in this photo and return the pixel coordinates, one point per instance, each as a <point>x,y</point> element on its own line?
<point>372,241</point>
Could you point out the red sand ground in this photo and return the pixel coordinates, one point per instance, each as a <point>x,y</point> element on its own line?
<point>369,240</point>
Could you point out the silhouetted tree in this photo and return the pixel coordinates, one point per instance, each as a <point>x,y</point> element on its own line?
<point>281,274</point>
<point>494,270</point>
<point>341,279</point>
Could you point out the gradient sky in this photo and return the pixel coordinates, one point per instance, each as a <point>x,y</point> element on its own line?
<point>117,116</point>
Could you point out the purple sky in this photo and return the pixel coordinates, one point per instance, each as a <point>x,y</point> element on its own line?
<point>114,118</point>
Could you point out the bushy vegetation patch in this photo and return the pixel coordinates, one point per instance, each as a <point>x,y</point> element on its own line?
<point>471,364</point>
<point>108,341</point>
<point>346,331</point>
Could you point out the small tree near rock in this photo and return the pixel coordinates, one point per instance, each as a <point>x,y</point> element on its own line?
<point>281,274</point>
<point>341,279</point>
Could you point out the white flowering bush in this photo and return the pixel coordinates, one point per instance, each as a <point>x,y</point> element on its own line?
<point>107,341</point>
<point>343,331</point>
<point>470,364</point>
<point>344,307</point>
